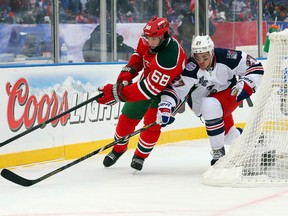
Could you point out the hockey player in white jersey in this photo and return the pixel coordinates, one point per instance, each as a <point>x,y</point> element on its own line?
<point>214,82</point>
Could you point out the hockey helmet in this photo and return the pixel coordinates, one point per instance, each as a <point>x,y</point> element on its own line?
<point>202,44</point>
<point>156,27</point>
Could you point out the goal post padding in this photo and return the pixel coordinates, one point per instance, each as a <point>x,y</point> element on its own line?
<point>259,157</point>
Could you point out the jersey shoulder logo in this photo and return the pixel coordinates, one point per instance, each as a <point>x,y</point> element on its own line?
<point>231,54</point>
<point>191,66</point>
<point>146,63</point>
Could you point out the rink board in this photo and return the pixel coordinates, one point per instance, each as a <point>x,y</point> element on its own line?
<point>32,95</point>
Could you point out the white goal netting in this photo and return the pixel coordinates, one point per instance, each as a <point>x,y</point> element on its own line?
<point>259,157</point>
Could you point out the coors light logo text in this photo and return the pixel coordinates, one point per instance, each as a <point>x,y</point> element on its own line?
<point>33,110</point>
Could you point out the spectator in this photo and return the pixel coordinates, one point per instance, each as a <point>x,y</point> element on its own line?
<point>33,46</point>
<point>283,14</point>
<point>222,9</point>
<point>10,18</point>
<point>14,45</point>
<point>47,20</point>
<point>92,52</point>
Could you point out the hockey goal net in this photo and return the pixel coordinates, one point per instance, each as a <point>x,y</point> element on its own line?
<point>259,157</point>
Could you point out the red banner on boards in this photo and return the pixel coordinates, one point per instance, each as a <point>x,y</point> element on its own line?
<point>232,34</point>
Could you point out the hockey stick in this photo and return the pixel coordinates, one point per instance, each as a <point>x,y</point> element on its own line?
<point>43,124</point>
<point>13,177</point>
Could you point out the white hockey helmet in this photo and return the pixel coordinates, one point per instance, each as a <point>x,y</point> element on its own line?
<point>202,44</point>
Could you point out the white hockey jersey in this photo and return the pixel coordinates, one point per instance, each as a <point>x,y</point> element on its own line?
<point>195,83</point>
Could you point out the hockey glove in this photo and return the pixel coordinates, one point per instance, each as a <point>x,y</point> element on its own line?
<point>111,94</point>
<point>126,75</point>
<point>243,89</point>
<point>164,114</point>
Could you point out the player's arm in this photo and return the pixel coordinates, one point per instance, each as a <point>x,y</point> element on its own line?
<point>145,89</point>
<point>251,72</point>
<point>134,65</point>
<point>163,69</point>
<point>149,87</point>
<point>174,96</point>
<point>177,92</point>
<point>179,88</point>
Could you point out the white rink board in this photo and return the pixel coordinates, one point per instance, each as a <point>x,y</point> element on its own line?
<point>91,123</point>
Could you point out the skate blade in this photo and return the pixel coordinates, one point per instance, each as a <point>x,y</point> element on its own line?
<point>135,171</point>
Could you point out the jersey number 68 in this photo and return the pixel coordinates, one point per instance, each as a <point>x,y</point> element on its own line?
<point>161,79</point>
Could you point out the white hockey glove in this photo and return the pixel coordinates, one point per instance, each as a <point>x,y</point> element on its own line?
<point>243,88</point>
<point>164,114</point>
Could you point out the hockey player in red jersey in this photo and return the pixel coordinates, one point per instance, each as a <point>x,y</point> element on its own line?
<point>162,59</point>
<point>215,81</point>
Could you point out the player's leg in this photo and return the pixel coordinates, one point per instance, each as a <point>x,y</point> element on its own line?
<point>132,113</point>
<point>231,132</point>
<point>229,104</point>
<point>212,114</point>
<point>216,111</point>
<point>148,138</point>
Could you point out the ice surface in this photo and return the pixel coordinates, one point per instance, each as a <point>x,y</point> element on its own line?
<point>169,184</point>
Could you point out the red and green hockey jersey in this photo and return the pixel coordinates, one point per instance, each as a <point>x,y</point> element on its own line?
<point>159,69</point>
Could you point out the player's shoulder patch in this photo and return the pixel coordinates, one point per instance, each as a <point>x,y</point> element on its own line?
<point>190,66</point>
<point>232,54</point>
<point>191,69</point>
<point>223,54</point>
<point>228,57</point>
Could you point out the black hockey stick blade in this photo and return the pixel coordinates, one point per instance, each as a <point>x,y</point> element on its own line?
<point>13,177</point>
<point>17,179</point>
<point>43,124</point>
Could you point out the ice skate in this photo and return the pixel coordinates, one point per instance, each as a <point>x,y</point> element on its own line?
<point>217,154</point>
<point>111,158</point>
<point>137,163</point>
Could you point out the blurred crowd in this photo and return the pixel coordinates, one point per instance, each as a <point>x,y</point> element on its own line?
<point>276,9</point>
<point>247,10</point>
<point>87,11</point>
